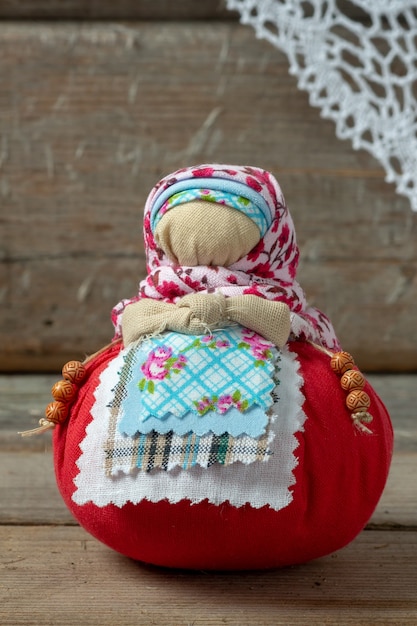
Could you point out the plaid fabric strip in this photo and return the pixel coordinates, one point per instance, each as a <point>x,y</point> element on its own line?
<point>167,451</point>
<point>124,452</point>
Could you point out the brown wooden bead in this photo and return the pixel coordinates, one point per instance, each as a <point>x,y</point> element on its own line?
<point>74,371</point>
<point>341,362</point>
<point>56,412</point>
<point>358,401</point>
<point>64,391</point>
<point>352,379</point>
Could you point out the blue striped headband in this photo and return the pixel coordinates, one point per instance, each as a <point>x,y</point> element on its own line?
<point>231,193</point>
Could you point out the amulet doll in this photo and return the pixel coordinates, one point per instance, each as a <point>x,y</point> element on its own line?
<point>224,427</point>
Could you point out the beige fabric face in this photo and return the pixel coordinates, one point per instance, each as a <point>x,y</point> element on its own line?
<point>205,233</point>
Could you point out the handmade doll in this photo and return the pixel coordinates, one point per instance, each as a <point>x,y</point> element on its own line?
<point>223,428</point>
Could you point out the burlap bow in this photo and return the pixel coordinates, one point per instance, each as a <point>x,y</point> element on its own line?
<point>197,314</point>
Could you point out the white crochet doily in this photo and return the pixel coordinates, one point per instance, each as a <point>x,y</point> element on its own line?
<point>358,61</point>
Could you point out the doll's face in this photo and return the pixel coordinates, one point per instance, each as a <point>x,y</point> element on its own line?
<point>206,233</point>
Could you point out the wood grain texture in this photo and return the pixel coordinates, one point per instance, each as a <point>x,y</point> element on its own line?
<point>70,578</point>
<point>91,115</point>
<point>129,9</point>
<point>110,10</point>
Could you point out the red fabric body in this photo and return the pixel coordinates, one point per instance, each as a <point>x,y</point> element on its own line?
<point>339,479</point>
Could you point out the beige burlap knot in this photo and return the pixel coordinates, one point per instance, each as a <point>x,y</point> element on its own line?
<point>197,314</point>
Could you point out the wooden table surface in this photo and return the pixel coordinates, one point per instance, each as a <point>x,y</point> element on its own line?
<point>53,572</point>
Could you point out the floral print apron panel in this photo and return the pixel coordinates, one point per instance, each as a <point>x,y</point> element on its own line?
<point>219,383</point>
<point>258,484</point>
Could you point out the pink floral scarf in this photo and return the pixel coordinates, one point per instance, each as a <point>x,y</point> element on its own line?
<point>267,271</point>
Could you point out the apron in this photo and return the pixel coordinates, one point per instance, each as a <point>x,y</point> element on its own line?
<point>199,417</point>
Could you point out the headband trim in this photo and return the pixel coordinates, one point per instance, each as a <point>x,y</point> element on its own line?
<point>214,184</point>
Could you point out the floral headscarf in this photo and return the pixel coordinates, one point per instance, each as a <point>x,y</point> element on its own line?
<point>267,271</point>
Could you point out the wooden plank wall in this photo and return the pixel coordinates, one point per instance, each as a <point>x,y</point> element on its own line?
<point>93,112</point>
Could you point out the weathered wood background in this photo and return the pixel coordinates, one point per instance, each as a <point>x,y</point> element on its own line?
<point>92,113</point>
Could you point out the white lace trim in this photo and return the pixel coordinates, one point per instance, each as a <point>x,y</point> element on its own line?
<point>361,72</point>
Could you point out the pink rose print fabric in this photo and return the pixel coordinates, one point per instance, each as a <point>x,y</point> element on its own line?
<point>268,270</point>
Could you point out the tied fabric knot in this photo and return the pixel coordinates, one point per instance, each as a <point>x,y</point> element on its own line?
<point>205,311</point>
<point>198,314</point>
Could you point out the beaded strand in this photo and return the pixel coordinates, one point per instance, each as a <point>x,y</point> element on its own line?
<point>64,393</point>
<point>353,382</point>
